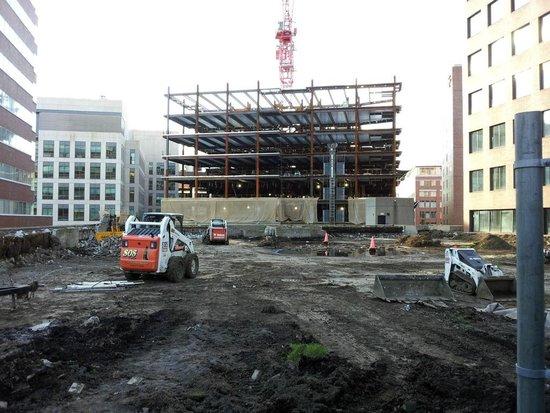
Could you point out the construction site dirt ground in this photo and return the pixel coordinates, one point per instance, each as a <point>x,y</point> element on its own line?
<point>195,346</point>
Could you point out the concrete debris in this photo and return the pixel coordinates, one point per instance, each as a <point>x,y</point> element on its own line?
<point>76,388</point>
<point>96,286</point>
<point>3,405</point>
<point>47,363</point>
<point>42,326</point>
<point>135,380</point>
<point>92,321</point>
<point>255,375</point>
<point>106,247</point>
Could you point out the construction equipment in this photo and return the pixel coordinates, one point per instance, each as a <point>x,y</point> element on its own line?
<point>411,288</point>
<point>216,232</point>
<point>465,271</point>
<point>108,227</point>
<point>155,246</point>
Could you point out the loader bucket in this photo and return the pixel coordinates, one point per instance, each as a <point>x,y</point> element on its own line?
<point>497,289</point>
<point>411,288</point>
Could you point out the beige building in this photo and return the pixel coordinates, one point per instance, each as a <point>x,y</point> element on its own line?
<point>507,71</point>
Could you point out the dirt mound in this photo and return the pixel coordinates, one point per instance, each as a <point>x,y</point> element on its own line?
<point>421,240</point>
<point>492,242</point>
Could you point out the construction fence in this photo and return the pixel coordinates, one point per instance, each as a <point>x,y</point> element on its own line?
<point>244,210</point>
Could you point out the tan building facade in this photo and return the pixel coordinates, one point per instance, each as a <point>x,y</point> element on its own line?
<point>423,184</point>
<point>507,70</point>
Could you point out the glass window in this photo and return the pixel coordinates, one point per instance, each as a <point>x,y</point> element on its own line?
<point>79,170</point>
<point>497,135</point>
<point>79,192</point>
<point>497,10</point>
<point>95,171</point>
<point>110,209</point>
<point>80,149</point>
<point>546,122</point>
<point>131,210</point>
<point>78,212</point>
<point>160,168</point>
<point>475,63</point>
<point>157,200</point>
<point>150,199</point>
<point>476,141</point>
<point>47,209</point>
<point>131,195</point>
<point>507,221</point>
<point>110,192</point>
<point>498,52</point>
<point>521,39</point>
<point>132,156</point>
<point>150,168</point>
<point>47,191</point>
<point>171,168</point>
<point>110,150</point>
<point>64,170</point>
<point>47,170</point>
<point>95,192</point>
<point>63,191</point>
<point>160,185</point>
<point>544,24</point>
<point>94,212</point>
<point>498,177</point>
<point>132,175</point>
<point>497,93</point>
<point>475,24</point>
<point>172,186</point>
<point>63,212</point>
<point>64,149</point>
<point>110,171</point>
<point>47,149</point>
<point>516,4</point>
<point>476,180</point>
<point>95,150</point>
<point>475,101</point>
<point>150,184</point>
<point>547,175</point>
<point>545,75</point>
<point>522,84</point>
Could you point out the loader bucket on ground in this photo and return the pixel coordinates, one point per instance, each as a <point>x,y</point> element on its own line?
<point>497,289</point>
<point>411,288</point>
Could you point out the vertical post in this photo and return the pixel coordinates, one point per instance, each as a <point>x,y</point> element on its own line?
<point>394,144</point>
<point>530,262</point>
<point>311,131</point>
<point>226,171</point>
<point>332,183</point>
<point>258,141</point>
<point>182,185</point>
<point>167,150</point>
<point>357,126</point>
<point>196,169</point>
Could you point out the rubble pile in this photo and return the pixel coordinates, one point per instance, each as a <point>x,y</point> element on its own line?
<point>13,245</point>
<point>106,247</point>
<point>419,241</point>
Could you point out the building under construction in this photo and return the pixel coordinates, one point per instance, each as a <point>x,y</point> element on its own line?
<point>259,143</point>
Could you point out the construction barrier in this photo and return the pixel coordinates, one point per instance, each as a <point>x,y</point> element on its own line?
<point>244,210</point>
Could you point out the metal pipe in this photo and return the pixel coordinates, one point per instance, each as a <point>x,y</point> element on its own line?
<point>530,261</point>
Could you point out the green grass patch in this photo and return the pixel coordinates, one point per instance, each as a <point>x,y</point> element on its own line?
<point>311,351</point>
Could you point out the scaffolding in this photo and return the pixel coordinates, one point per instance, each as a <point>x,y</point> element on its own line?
<point>275,142</point>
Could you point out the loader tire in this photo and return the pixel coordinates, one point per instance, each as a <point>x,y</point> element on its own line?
<point>131,276</point>
<point>191,265</point>
<point>176,269</point>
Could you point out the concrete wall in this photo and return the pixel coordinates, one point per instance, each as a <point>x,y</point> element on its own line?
<point>397,211</point>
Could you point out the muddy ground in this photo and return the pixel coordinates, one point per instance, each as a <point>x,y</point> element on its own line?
<point>195,346</point>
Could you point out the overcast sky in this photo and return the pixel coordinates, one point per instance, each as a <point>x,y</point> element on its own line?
<point>134,49</point>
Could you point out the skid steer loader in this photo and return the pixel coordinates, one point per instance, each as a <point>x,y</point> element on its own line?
<point>466,272</point>
<point>155,246</point>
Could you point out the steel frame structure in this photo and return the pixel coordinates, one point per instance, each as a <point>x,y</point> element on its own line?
<point>273,142</point>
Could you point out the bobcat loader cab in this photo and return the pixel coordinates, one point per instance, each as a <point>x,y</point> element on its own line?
<point>156,245</point>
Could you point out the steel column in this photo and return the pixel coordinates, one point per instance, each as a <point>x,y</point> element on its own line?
<point>258,141</point>
<point>226,183</point>
<point>167,150</point>
<point>530,261</point>
<point>357,125</point>
<point>196,171</point>
<point>394,146</point>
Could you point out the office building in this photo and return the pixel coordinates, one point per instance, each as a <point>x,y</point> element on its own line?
<point>423,183</point>
<point>507,72</point>
<point>81,160</point>
<point>453,168</point>
<point>18,49</point>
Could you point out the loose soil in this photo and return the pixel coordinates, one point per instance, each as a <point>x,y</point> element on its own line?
<point>196,345</point>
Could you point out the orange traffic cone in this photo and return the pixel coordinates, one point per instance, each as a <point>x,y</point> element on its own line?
<point>325,240</point>
<point>372,248</point>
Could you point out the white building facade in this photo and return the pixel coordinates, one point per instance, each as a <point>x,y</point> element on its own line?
<point>80,159</point>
